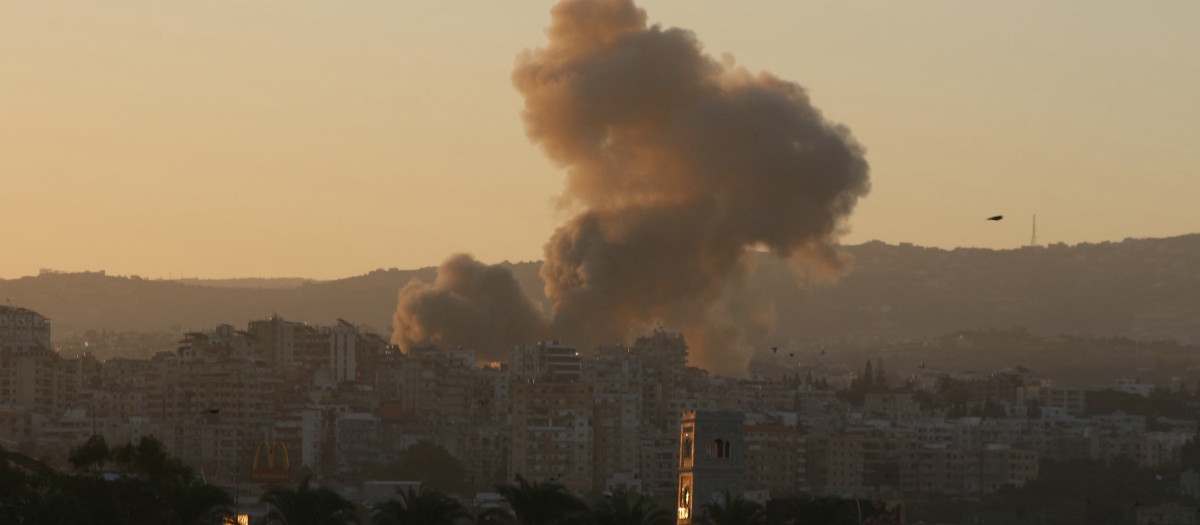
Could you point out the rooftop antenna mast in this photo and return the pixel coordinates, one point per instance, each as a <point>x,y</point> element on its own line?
<point>1033,237</point>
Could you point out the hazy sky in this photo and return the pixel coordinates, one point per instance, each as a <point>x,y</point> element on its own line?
<point>325,139</point>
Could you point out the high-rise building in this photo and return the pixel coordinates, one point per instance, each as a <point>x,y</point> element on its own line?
<point>357,436</point>
<point>615,426</point>
<point>435,384</point>
<point>552,436</point>
<point>343,352</point>
<point>22,329</point>
<point>282,343</point>
<point>546,361</point>
<point>659,463</point>
<point>663,358</point>
<point>32,375</point>
<point>774,459</point>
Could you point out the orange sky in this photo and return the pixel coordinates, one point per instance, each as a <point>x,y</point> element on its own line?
<point>318,139</point>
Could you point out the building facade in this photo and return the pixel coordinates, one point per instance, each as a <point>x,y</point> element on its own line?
<point>711,461</point>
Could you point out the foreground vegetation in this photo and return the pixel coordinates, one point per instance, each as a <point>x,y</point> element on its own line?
<point>142,484</point>
<point>149,488</point>
<point>136,484</point>
<point>1077,492</point>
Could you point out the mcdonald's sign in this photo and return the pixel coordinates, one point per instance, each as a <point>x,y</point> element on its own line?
<point>272,473</point>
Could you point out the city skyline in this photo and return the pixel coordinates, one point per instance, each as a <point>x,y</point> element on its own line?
<point>626,418</point>
<point>300,140</point>
<point>605,261</point>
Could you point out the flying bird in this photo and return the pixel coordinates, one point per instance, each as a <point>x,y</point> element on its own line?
<point>996,218</point>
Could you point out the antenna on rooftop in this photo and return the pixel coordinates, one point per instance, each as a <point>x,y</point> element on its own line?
<point>1033,237</point>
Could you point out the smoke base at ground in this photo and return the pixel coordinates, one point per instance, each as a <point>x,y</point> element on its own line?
<point>678,167</point>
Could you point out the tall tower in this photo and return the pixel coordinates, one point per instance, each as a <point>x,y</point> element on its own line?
<point>1033,237</point>
<point>711,461</point>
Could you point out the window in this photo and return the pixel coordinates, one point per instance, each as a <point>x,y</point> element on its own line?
<point>719,448</point>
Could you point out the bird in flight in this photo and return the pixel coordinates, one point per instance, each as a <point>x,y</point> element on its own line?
<point>996,218</point>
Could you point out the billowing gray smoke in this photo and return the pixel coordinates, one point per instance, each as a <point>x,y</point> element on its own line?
<point>472,305</point>
<point>678,167</point>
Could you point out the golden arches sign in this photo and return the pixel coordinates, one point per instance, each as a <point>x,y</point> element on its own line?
<point>271,473</point>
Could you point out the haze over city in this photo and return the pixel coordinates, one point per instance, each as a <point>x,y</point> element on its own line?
<point>306,139</point>
<point>599,262</point>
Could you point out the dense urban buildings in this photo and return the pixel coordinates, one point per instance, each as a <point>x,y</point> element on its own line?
<point>345,405</point>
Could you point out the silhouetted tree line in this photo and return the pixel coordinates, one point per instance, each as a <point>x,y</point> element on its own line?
<point>429,462</point>
<point>550,503</point>
<point>872,379</point>
<point>135,484</point>
<point>1074,492</point>
<point>1159,403</point>
<point>149,487</point>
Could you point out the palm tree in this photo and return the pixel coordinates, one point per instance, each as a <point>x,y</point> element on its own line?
<point>495,516</point>
<point>190,501</point>
<point>620,510</point>
<point>51,505</point>
<point>543,503</point>
<point>307,506</point>
<point>734,510</point>
<point>15,486</point>
<point>805,510</point>
<point>420,507</point>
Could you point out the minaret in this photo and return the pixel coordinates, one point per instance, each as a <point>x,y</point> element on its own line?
<point>711,461</point>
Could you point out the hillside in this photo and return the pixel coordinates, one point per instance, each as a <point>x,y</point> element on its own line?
<point>1139,288</point>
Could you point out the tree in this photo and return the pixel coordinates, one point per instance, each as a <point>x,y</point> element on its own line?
<point>89,456</point>
<point>1033,409</point>
<point>543,503</point>
<point>190,501</point>
<point>157,490</point>
<point>495,516</point>
<point>990,410</point>
<point>149,459</point>
<point>953,392</point>
<point>806,510</point>
<point>622,509</point>
<point>50,505</point>
<point>734,510</point>
<point>420,507</point>
<point>430,464</point>
<point>1189,455</point>
<point>307,506</point>
<point>14,486</point>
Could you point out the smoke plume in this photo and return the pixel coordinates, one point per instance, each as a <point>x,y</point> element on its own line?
<point>678,168</point>
<point>472,305</point>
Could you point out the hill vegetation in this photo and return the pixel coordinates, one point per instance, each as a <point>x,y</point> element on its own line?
<point>1144,289</point>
